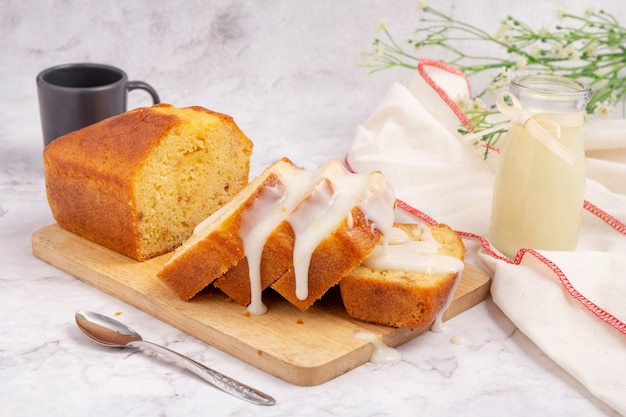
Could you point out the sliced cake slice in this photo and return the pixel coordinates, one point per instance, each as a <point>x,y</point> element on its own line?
<point>216,245</point>
<point>338,225</point>
<point>409,281</point>
<point>268,238</point>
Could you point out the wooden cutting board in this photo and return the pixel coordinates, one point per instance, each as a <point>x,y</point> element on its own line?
<point>304,348</point>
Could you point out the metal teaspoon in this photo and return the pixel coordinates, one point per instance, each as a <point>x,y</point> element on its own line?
<point>109,332</point>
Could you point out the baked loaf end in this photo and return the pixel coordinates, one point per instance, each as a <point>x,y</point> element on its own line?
<point>404,298</point>
<point>216,245</point>
<point>139,182</point>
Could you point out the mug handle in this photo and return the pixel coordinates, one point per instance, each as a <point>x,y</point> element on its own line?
<point>140,85</point>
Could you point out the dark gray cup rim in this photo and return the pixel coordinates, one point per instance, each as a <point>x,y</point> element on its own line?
<point>42,77</point>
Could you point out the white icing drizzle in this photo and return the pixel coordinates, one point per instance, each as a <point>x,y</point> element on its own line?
<point>405,254</point>
<point>267,211</point>
<point>382,353</point>
<point>457,340</point>
<point>406,257</point>
<point>331,193</point>
<point>329,204</point>
<point>307,224</point>
<point>438,326</point>
<point>263,208</point>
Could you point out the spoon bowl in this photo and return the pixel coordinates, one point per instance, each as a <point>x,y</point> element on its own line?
<point>105,330</point>
<point>110,332</point>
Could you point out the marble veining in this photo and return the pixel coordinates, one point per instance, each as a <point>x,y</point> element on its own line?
<point>287,71</point>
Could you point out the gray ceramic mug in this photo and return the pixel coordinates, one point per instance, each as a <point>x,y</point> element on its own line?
<point>73,96</point>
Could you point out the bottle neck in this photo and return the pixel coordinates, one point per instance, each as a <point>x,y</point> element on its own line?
<point>553,96</point>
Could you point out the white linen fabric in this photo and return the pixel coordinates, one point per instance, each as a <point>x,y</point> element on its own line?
<point>571,304</point>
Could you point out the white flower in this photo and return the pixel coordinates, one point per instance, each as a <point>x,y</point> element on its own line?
<point>477,105</point>
<point>382,26</point>
<point>463,102</point>
<point>561,13</point>
<point>558,51</point>
<point>505,34</point>
<point>603,108</point>
<point>521,63</point>
<point>589,12</point>
<point>535,52</point>
<point>507,38</point>
<point>492,89</point>
<point>591,49</point>
<point>504,78</point>
<point>572,53</point>
<point>422,4</point>
<point>379,51</point>
<point>543,32</point>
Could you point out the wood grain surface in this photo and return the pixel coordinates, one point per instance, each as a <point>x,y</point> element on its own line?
<point>304,348</point>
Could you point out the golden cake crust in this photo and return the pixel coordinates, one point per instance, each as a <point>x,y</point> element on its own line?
<point>97,178</point>
<point>399,298</point>
<point>275,262</point>
<point>334,257</point>
<point>201,260</point>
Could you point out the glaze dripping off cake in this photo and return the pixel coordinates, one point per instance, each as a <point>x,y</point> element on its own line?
<point>297,230</point>
<point>409,281</point>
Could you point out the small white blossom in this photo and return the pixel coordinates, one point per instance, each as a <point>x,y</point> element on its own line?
<point>561,13</point>
<point>422,4</point>
<point>504,27</point>
<point>558,51</point>
<point>603,108</point>
<point>521,63</point>
<point>504,78</point>
<point>591,49</point>
<point>477,105</point>
<point>382,26</point>
<point>572,53</point>
<point>505,34</point>
<point>379,51</point>
<point>507,38</point>
<point>463,102</point>
<point>535,52</point>
<point>492,89</point>
<point>589,12</point>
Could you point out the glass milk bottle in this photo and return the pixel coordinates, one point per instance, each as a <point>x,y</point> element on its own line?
<point>539,190</point>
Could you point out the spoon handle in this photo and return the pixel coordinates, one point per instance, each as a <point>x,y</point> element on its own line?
<point>213,377</point>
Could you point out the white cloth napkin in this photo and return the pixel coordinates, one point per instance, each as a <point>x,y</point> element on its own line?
<point>412,138</point>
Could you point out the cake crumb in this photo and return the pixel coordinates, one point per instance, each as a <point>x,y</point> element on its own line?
<point>118,313</point>
<point>300,321</point>
<point>247,313</point>
<point>259,352</point>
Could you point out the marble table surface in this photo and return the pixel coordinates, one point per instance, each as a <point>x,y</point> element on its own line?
<point>287,71</point>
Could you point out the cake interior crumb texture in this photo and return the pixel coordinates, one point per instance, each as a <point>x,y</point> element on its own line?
<point>196,170</point>
<point>138,183</point>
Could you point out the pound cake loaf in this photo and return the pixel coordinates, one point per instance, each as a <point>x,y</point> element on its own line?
<point>409,280</point>
<point>138,183</point>
<point>304,228</point>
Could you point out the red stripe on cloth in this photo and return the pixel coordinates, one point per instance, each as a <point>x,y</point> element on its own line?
<point>421,69</point>
<point>606,217</point>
